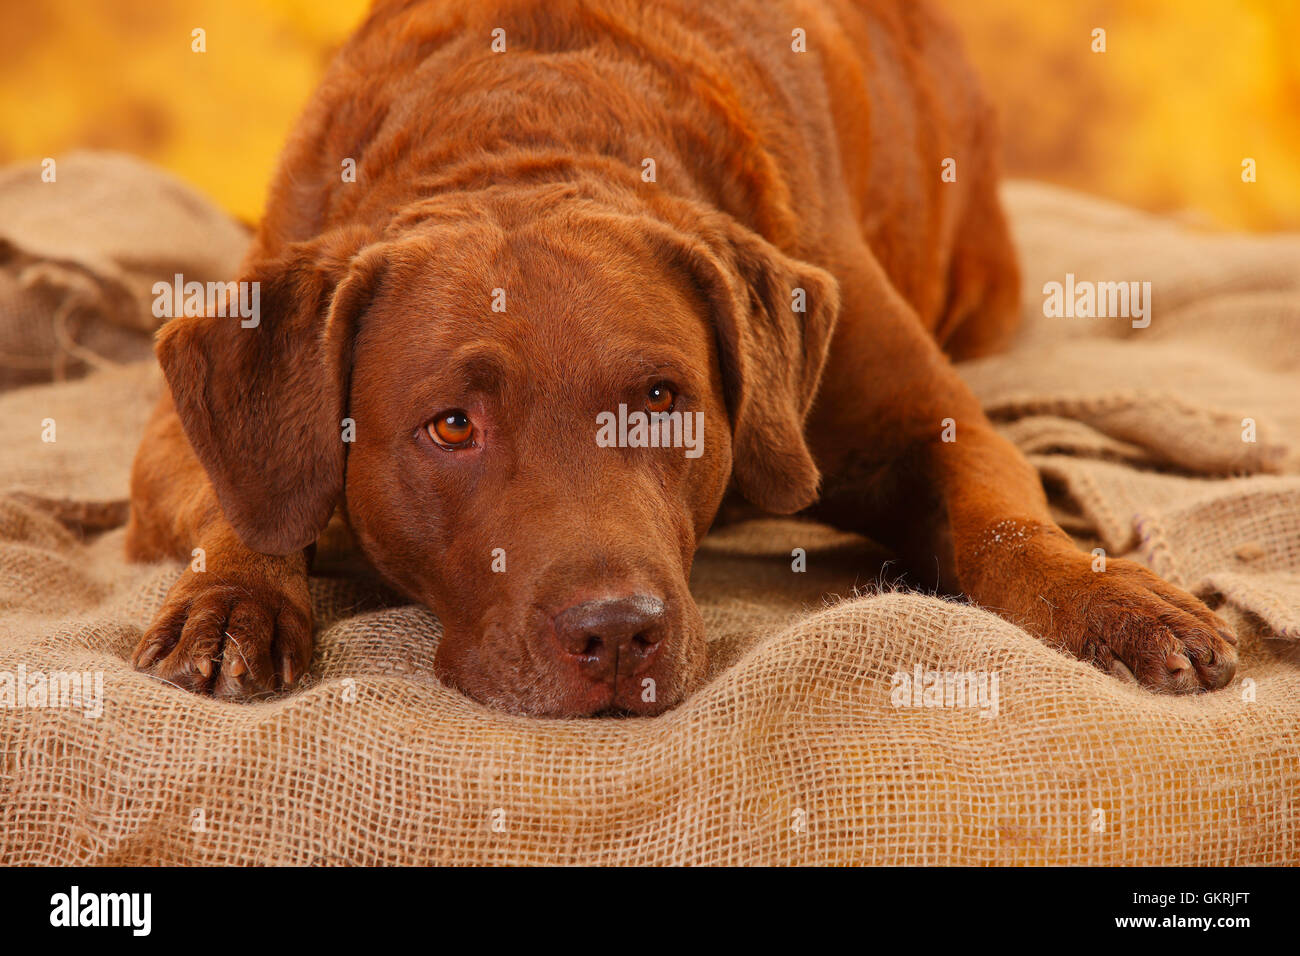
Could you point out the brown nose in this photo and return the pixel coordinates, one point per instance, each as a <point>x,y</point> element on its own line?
<point>612,636</point>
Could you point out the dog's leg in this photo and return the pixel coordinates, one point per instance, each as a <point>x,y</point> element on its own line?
<point>237,623</point>
<point>909,458</point>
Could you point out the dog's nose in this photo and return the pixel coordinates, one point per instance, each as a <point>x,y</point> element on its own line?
<point>612,636</point>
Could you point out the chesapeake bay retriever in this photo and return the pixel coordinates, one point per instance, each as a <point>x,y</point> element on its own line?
<point>507,233</point>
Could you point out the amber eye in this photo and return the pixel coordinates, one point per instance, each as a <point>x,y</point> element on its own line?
<point>660,398</point>
<point>451,429</point>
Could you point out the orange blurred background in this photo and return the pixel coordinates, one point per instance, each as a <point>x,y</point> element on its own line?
<point>1163,119</point>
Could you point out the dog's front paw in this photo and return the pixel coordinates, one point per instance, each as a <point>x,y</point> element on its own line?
<point>232,635</point>
<point>1137,626</point>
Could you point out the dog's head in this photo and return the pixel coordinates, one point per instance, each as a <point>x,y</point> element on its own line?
<point>481,394</point>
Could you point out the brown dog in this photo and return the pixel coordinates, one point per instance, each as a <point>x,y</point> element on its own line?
<point>727,211</point>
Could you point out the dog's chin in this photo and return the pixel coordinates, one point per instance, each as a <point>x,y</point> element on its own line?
<point>580,702</point>
<point>554,696</point>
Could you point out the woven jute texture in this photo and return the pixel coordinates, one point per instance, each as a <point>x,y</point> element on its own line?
<point>795,751</point>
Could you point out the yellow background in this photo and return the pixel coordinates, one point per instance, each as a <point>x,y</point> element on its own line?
<point>1162,119</point>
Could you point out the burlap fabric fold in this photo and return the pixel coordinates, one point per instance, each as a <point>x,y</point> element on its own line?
<point>82,242</point>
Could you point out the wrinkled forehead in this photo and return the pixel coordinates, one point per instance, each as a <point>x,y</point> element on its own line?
<point>561,303</point>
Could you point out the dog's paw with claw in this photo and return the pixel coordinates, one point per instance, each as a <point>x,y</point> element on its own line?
<point>1133,624</point>
<point>233,635</point>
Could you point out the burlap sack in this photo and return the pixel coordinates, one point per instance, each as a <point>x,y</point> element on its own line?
<point>81,245</point>
<point>795,750</point>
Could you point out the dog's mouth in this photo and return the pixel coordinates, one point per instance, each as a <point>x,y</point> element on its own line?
<point>616,712</point>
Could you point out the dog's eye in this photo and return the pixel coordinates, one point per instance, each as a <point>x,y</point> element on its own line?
<point>660,398</point>
<point>451,429</point>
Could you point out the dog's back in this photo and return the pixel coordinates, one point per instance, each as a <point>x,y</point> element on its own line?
<point>804,121</point>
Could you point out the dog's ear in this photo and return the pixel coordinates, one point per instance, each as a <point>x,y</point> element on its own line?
<point>262,398</point>
<point>774,316</point>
